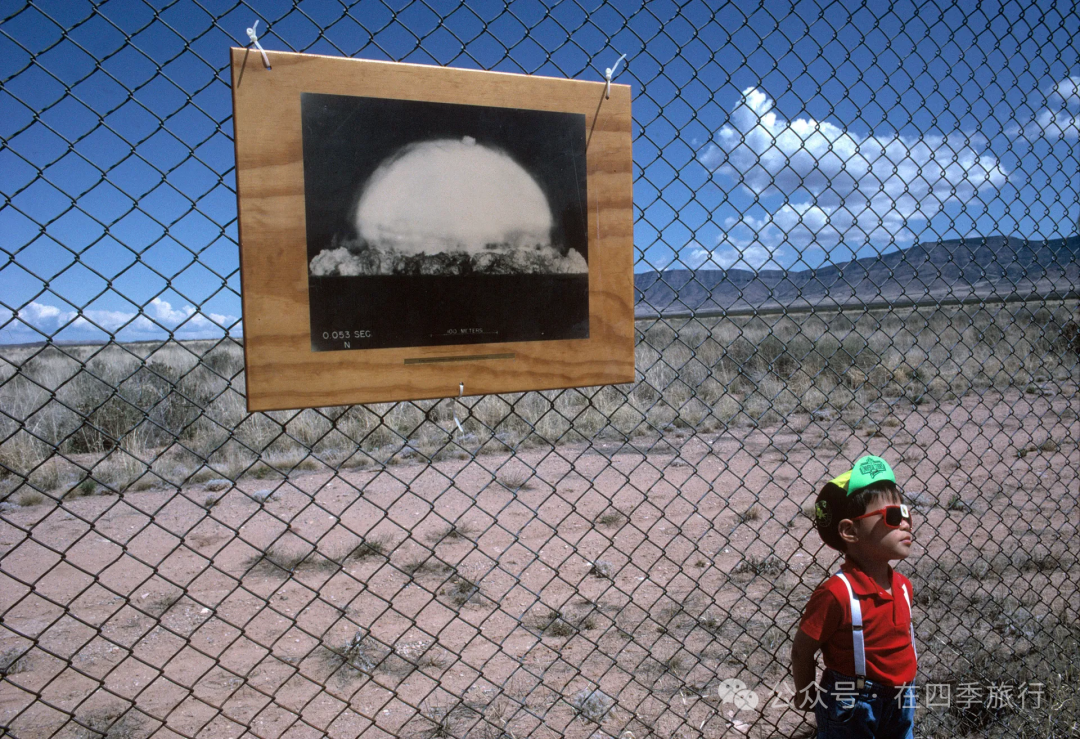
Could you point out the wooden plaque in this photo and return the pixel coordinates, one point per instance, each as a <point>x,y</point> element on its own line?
<point>407,230</point>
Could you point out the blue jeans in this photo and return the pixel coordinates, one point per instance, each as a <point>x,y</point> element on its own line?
<point>875,712</point>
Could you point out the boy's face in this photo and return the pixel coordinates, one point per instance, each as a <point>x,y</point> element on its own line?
<point>871,537</point>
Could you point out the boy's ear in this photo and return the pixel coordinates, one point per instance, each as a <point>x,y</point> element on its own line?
<point>846,529</point>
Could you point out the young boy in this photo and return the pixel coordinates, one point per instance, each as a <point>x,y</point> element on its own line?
<point>860,618</point>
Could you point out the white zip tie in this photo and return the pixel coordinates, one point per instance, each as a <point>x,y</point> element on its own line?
<point>255,40</point>
<point>461,393</point>
<point>608,74</point>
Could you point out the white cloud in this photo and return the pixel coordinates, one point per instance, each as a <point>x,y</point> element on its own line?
<point>827,186</point>
<point>1060,118</point>
<point>37,320</point>
<point>752,256</point>
<point>694,255</point>
<point>110,320</point>
<point>163,311</point>
<point>39,313</point>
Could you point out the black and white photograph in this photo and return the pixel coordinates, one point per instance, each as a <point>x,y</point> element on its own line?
<point>432,224</point>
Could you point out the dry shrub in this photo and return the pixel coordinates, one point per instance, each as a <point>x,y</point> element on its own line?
<point>129,405</point>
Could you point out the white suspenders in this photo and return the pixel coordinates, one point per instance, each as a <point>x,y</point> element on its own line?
<point>857,631</point>
<point>911,622</point>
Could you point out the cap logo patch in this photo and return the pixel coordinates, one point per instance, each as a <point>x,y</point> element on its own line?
<point>822,513</point>
<point>871,467</point>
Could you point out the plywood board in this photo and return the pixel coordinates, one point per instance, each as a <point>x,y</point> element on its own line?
<point>407,230</point>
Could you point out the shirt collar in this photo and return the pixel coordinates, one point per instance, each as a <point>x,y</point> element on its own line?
<point>863,584</point>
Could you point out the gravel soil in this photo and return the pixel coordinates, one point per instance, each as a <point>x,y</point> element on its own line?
<point>566,591</point>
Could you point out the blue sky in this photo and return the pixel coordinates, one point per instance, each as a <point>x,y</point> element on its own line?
<point>765,136</point>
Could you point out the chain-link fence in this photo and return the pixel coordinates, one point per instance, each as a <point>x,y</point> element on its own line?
<point>822,199</point>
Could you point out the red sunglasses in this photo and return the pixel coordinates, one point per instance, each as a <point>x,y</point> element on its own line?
<point>894,515</point>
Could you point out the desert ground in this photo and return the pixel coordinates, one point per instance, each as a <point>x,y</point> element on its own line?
<point>579,589</point>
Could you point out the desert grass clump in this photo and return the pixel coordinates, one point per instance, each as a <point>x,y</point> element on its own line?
<point>84,489</point>
<point>769,565</point>
<point>672,617</point>
<point>1044,562</point>
<point>753,513</point>
<point>280,560</point>
<point>710,622</point>
<point>549,622</point>
<point>460,590</point>
<point>158,605</point>
<point>14,661</point>
<point>593,705</point>
<point>261,471</point>
<point>559,627</point>
<point>115,722</point>
<point>611,518</point>
<point>316,562</point>
<point>514,480</point>
<point>23,459</point>
<point>496,718</point>
<point>441,721</point>
<point>425,567</point>
<point>603,569</point>
<point>461,531</point>
<point>956,503</point>
<point>30,498</point>
<point>676,664</point>
<point>560,624</point>
<point>126,466</point>
<point>423,656</point>
<point>370,548</point>
<point>360,654</point>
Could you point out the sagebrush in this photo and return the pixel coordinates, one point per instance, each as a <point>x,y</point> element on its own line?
<point>80,419</point>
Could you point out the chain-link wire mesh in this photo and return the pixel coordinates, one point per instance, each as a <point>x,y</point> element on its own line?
<point>820,191</point>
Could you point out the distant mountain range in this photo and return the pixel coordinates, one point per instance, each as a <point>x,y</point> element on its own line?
<point>993,267</point>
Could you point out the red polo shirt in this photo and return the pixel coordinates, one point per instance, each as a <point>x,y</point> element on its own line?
<point>890,656</point>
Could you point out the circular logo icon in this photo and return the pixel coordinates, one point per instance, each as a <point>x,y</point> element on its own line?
<point>734,691</point>
<point>745,699</point>
<point>727,689</point>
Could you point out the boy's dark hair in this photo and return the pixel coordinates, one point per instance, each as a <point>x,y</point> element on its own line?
<point>833,505</point>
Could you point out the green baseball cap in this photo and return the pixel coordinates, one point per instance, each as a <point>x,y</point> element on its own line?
<point>867,471</point>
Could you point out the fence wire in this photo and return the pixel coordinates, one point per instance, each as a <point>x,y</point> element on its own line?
<point>588,562</point>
